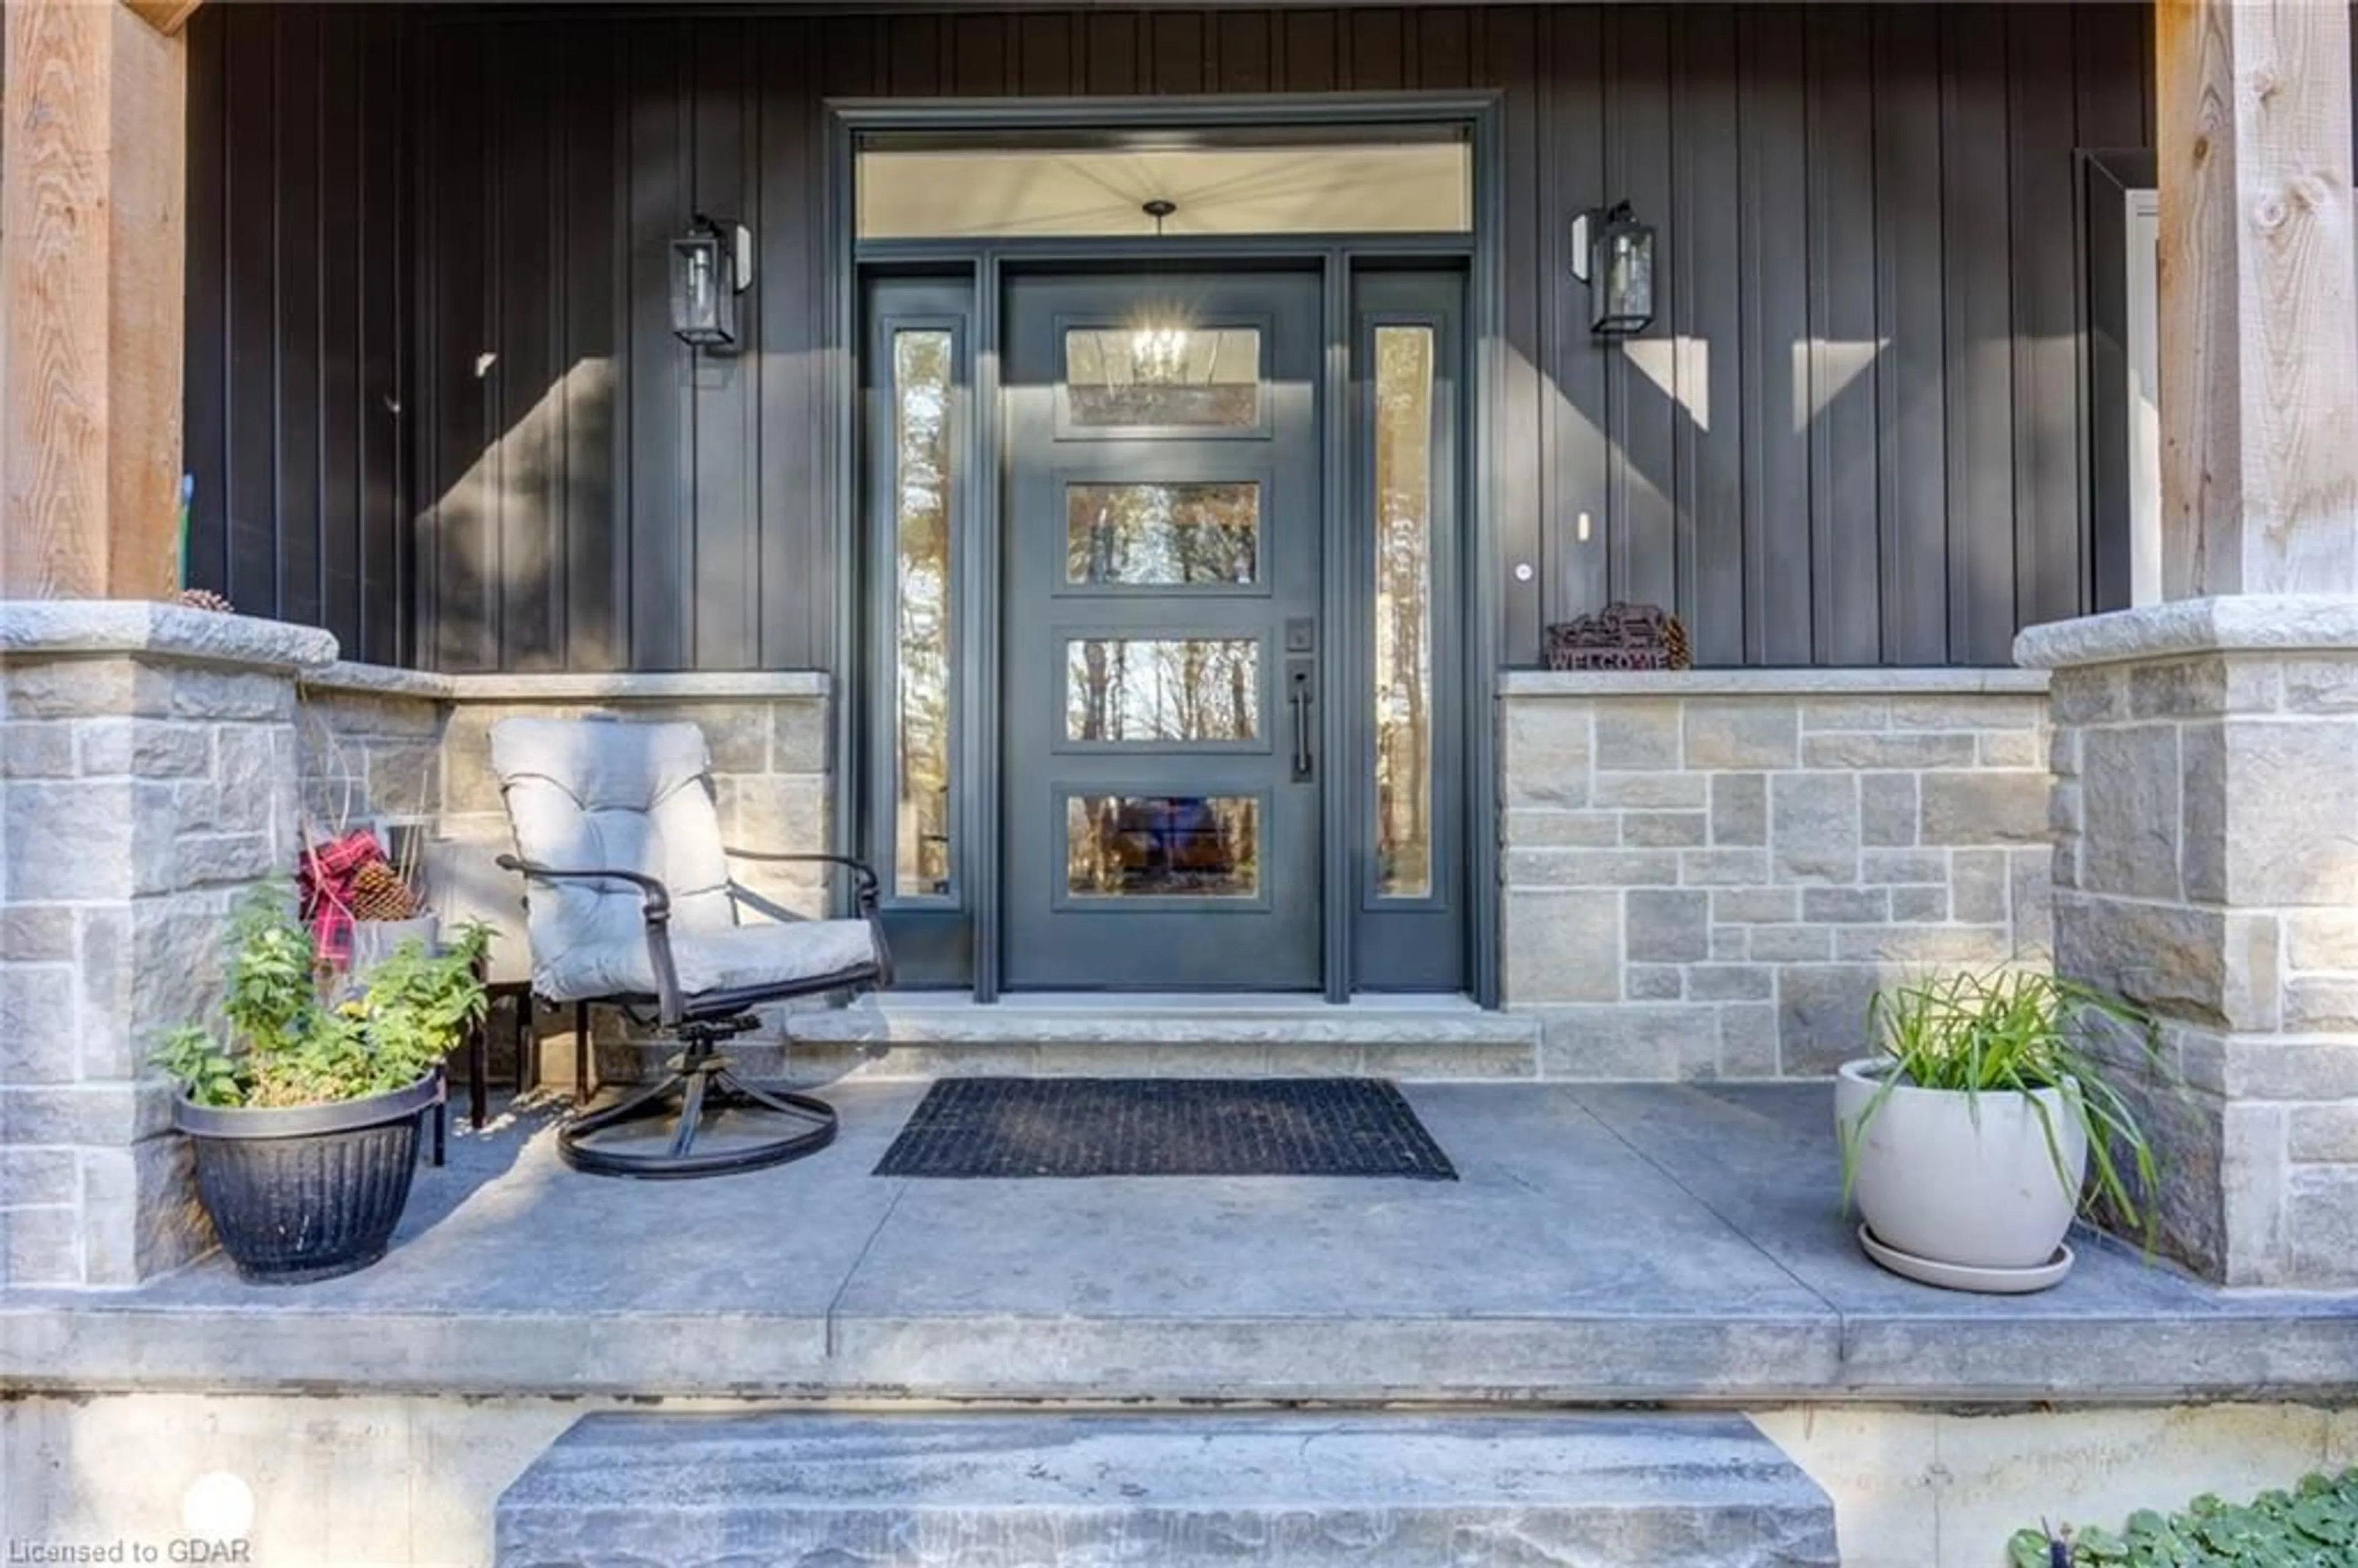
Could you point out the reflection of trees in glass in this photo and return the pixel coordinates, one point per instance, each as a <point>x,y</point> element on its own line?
<point>1196,689</point>
<point>1160,534</point>
<point>1162,846</point>
<point>921,396</point>
<point>1403,416</point>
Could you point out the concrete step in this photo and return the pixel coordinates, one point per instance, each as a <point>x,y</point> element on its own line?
<point>1077,1490</point>
<point>1417,1038</point>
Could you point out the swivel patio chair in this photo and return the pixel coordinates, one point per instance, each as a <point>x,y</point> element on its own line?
<point>630,902</point>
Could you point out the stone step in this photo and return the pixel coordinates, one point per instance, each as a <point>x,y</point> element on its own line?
<point>1120,1036</point>
<point>920,1036</point>
<point>1184,1490</point>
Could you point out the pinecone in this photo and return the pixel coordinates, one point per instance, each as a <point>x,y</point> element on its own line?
<point>204,599</point>
<point>379,894</point>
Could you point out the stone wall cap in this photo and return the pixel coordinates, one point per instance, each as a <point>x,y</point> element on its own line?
<point>378,680</point>
<point>1773,683</point>
<point>2256,623</point>
<point>699,686</point>
<point>33,628</point>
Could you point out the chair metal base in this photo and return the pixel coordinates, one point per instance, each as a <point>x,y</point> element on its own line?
<point>695,1082</point>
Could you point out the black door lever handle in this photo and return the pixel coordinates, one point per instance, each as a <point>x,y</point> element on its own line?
<point>1297,682</point>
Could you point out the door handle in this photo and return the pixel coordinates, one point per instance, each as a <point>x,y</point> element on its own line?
<point>1297,695</point>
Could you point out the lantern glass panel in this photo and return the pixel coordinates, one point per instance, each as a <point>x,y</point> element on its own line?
<point>704,299</point>
<point>1629,275</point>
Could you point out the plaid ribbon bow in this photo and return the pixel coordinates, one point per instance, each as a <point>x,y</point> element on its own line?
<point>325,879</point>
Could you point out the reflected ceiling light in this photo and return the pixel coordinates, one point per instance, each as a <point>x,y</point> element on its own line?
<point>1162,207</point>
<point>1158,354</point>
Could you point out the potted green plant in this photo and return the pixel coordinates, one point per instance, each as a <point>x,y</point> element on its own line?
<point>1988,1118</point>
<point>305,1110</point>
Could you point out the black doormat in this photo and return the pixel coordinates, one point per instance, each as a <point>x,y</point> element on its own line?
<point>1166,1127</point>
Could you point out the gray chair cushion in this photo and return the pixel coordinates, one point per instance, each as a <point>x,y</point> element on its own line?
<point>595,794</point>
<point>745,958</point>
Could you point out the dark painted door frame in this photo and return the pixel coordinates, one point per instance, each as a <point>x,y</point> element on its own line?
<point>977,758</point>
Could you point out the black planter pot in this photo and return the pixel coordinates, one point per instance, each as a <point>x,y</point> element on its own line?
<point>308,1191</point>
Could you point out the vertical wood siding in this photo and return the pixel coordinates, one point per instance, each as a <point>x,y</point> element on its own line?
<point>300,275</point>
<point>1854,436</point>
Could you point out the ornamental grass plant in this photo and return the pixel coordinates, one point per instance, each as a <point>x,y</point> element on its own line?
<point>2016,1031</point>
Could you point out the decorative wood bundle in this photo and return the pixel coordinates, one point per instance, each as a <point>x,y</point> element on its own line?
<point>1619,637</point>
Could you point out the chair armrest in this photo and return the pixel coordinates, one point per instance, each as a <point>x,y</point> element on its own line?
<point>656,896</point>
<point>865,886</point>
<point>655,905</point>
<point>864,880</point>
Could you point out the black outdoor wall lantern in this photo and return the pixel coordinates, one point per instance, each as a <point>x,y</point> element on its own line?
<point>1613,254</point>
<point>711,264</point>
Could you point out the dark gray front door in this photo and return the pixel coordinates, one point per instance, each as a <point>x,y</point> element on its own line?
<point>1162,640</point>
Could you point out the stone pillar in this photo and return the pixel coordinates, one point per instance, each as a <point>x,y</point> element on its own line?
<point>2206,749</point>
<point>2206,867</point>
<point>149,759</point>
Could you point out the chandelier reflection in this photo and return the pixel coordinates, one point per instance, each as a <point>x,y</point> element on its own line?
<point>1158,354</point>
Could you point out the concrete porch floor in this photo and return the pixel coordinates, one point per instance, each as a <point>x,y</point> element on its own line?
<point>1654,1243</point>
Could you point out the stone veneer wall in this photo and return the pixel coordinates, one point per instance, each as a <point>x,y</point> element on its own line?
<point>768,733</point>
<point>1708,873</point>
<point>379,742</point>
<point>159,763</point>
<point>2206,795</point>
<point>149,759</point>
<point>370,742</point>
<point>768,737</point>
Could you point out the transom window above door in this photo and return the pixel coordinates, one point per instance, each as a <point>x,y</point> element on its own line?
<point>1354,181</point>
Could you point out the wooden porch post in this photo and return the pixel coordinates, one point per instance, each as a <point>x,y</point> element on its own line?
<point>2259,301</point>
<point>92,152</point>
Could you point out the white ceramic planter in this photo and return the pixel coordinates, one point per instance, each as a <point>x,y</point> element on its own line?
<point>1959,1179</point>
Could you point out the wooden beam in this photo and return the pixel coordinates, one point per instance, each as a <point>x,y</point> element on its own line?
<point>167,16</point>
<point>91,232</point>
<point>2259,298</point>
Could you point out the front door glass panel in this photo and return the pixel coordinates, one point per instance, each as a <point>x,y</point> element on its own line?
<point>1159,375</point>
<point>1139,846</point>
<point>1162,536</point>
<point>1169,690</point>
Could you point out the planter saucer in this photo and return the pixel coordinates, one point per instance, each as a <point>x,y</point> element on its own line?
<point>1965,1276</point>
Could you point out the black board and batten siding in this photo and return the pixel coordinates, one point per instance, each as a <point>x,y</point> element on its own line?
<point>300,276</point>
<point>1854,436</point>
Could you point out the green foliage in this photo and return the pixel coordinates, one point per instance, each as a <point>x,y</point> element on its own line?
<point>2015,1032</point>
<point>287,1043</point>
<point>2315,1525</point>
<point>196,1061</point>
